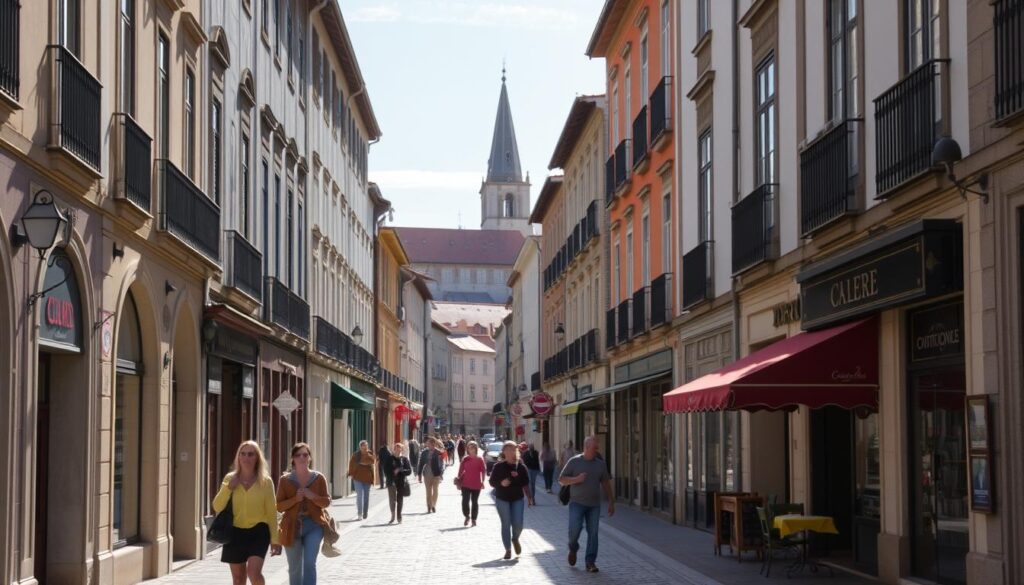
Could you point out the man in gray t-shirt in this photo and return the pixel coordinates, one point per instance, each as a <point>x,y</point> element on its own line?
<point>586,475</point>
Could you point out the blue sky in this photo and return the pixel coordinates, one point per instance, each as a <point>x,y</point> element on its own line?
<point>433,72</point>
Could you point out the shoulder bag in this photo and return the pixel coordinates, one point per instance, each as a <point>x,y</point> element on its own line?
<point>223,526</point>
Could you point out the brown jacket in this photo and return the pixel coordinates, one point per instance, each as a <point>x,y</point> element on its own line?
<point>289,503</point>
<point>363,467</point>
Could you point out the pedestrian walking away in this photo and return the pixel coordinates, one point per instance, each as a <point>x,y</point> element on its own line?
<point>414,452</point>
<point>587,475</point>
<point>510,481</point>
<point>397,469</point>
<point>382,455</point>
<point>250,491</point>
<point>449,446</point>
<point>567,453</point>
<point>302,497</point>
<point>531,458</point>
<point>362,469</point>
<point>460,448</point>
<point>470,480</point>
<point>431,471</point>
<point>548,462</point>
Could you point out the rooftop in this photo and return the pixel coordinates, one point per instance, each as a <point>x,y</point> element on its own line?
<point>452,246</point>
<point>469,343</point>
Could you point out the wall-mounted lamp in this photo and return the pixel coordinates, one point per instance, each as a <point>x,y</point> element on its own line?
<point>947,153</point>
<point>575,381</point>
<point>118,252</point>
<point>40,224</point>
<point>209,333</point>
<point>357,335</point>
<point>560,332</point>
<point>169,288</point>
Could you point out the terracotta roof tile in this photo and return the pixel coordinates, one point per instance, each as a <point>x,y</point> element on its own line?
<point>449,246</point>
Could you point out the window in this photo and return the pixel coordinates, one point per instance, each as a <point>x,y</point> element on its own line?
<point>765,139</point>
<point>163,97</point>
<point>644,81</point>
<point>68,17</point>
<point>486,372</point>
<point>704,185</point>
<point>243,171</point>
<point>317,64</point>
<point>472,393</point>
<point>264,11</point>
<point>645,234</point>
<point>302,63</point>
<point>666,40</point>
<point>288,34</point>
<point>922,18</point>
<point>190,124</point>
<point>458,392</point>
<point>289,234</point>
<point>127,54</point>
<point>127,427</point>
<point>265,173</point>
<point>486,394</point>
<point>617,289</point>
<point>277,226</point>
<point>843,63</point>
<point>509,206</point>
<point>277,27</point>
<point>703,17</point>
<point>472,365</point>
<point>629,258</point>
<point>615,115</point>
<point>215,150</point>
<point>300,236</point>
<point>666,234</point>
<point>629,103</point>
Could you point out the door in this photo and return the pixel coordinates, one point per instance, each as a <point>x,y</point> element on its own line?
<point>635,448</point>
<point>42,464</point>
<point>832,473</point>
<point>939,471</point>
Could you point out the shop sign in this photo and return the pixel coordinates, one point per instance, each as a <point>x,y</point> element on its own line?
<point>786,313</point>
<point>248,381</point>
<point>541,404</point>
<point>926,262</point>
<point>213,375</point>
<point>646,366</point>
<point>60,323</point>
<point>937,332</point>
<point>234,346</point>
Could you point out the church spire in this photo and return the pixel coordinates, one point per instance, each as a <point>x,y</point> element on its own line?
<point>503,165</point>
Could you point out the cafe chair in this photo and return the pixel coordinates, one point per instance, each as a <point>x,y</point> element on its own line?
<point>771,542</point>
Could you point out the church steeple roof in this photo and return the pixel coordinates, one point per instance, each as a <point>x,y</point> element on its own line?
<point>503,165</point>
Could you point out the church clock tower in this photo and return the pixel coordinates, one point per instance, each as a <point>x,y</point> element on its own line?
<point>504,195</point>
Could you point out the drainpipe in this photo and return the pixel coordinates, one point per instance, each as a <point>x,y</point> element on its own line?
<point>736,352</point>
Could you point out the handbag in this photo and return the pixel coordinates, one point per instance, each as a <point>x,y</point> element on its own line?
<point>563,495</point>
<point>331,537</point>
<point>223,526</point>
<point>406,490</point>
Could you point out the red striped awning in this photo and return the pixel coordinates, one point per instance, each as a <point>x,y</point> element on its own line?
<point>836,366</point>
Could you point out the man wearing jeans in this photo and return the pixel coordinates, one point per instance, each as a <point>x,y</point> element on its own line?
<point>586,474</point>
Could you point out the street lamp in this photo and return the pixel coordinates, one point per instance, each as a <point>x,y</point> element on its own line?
<point>575,381</point>
<point>946,152</point>
<point>560,332</point>
<point>357,335</point>
<point>40,224</point>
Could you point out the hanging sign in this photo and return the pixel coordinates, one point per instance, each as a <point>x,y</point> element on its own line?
<point>60,323</point>
<point>248,381</point>
<point>286,404</point>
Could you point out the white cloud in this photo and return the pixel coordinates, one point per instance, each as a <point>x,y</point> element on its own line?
<point>412,179</point>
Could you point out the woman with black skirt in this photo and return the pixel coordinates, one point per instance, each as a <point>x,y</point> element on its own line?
<point>397,470</point>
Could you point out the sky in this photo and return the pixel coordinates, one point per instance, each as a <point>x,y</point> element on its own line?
<point>433,74</point>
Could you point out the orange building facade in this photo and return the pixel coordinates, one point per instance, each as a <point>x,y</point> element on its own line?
<point>635,39</point>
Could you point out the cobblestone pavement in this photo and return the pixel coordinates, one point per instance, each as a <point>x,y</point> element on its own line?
<point>437,548</point>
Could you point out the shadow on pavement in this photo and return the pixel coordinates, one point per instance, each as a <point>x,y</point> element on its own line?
<point>497,564</point>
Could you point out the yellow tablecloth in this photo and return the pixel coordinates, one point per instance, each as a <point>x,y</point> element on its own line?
<point>788,524</point>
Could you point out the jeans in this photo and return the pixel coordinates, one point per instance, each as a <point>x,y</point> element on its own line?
<point>362,497</point>
<point>511,514</point>
<point>578,514</point>
<point>534,474</point>
<point>549,476</point>
<point>470,505</point>
<point>395,500</point>
<point>302,553</point>
<point>432,482</point>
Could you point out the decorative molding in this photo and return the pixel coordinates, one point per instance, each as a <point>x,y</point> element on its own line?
<point>219,46</point>
<point>759,10</point>
<point>704,84</point>
<point>247,87</point>
<point>174,5</point>
<point>641,17</point>
<point>193,28</point>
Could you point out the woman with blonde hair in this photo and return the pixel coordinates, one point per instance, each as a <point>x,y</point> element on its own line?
<point>302,497</point>
<point>511,482</point>
<point>251,492</point>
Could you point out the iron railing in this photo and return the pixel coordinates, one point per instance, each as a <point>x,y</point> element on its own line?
<point>10,38</point>
<point>907,124</point>
<point>134,165</point>
<point>625,314</point>
<point>593,229</point>
<point>753,228</point>
<point>661,108</point>
<point>585,230</point>
<point>609,328</point>
<point>535,381</point>
<point>1009,49</point>
<point>640,311</point>
<point>186,212</point>
<point>640,137</point>
<point>828,177</point>
<point>622,166</point>
<point>245,265</point>
<point>661,300</point>
<point>609,180</point>
<point>285,308</point>
<point>697,265</point>
<point>75,125</point>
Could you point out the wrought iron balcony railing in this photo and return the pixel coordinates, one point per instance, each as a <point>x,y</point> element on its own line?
<point>640,311</point>
<point>1009,50</point>
<point>245,265</point>
<point>75,107</point>
<point>661,109</point>
<point>10,39</point>
<point>661,300</point>
<point>133,164</point>
<point>610,328</point>
<point>622,166</point>
<point>186,212</point>
<point>753,228</point>
<point>285,308</point>
<point>697,272</point>
<point>625,314</point>
<point>609,180</point>
<point>828,177</point>
<point>640,137</point>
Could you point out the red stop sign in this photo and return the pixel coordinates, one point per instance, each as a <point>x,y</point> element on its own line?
<point>541,403</point>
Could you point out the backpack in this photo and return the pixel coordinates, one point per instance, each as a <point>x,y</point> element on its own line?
<point>435,464</point>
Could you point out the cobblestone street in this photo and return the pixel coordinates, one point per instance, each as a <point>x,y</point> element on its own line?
<point>436,548</point>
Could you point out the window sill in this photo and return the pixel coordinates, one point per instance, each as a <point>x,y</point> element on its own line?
<point>265,37</point>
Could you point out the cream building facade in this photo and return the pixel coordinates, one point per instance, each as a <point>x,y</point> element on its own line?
<point>473,378</point>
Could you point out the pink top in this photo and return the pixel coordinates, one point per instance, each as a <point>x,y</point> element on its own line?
<point>471,472</point>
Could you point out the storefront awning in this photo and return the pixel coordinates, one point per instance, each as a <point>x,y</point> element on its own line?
<point>572,407</point>
<point>836,366</point>
<point>342,397</point>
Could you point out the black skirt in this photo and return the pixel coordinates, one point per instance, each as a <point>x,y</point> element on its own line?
<point>245,543</point>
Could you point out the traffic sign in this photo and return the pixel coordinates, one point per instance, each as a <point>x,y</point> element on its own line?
<point>541,403</point>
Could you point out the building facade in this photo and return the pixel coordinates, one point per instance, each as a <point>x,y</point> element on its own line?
<point>439,387</point>
<point>473,375</point>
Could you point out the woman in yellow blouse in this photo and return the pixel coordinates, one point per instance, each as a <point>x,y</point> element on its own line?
<point>254,503</point>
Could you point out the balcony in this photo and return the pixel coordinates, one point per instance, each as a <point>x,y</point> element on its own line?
<point>640,138</point>
<point>753,228</point>
<point>622,164</point>
<point>697,271</point>
<point>245,266</point>
<point>133,165</point>
<point>186,212</point>
<point>609,328</point>
<point>1009,50</point>
<point>593,230</point>
<point>661,111</point>
<point>590,347</point>
<point>609,180</point>
<point>9,47</point>
<point>535,382</point>
<point>640,311</point>
<point>908,121</point>
<point>625,313</point>
<point>284,308</point>
<point>75,107</point>
<point>828,177</point>
<point>661,300</point>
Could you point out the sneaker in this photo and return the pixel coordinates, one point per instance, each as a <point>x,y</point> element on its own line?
<point>516,545</point>
<point>572,558</point>
<point>591,568</point>
<point>508,555</point>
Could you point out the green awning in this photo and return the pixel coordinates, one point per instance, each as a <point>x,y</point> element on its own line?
<point>572,407</point>
<point>342,397</point>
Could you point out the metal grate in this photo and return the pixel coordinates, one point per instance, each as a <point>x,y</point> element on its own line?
<point>753,227</point>
<point>1009,52</point>
<point>828,177</point>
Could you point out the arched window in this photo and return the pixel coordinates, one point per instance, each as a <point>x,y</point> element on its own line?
<point>508,206</point>
<point>127,425</point>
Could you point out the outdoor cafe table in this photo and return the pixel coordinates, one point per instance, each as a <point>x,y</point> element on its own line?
<point>789,524</point>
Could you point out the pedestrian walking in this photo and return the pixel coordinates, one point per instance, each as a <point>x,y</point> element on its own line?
<point>470,480</point>
<point>414,452</point>
<point>302,497</point>
<point>250,491</point>
<point>510,481</point>
<point>586,474</point>
<point>361,468</point>
<point>398,469</point>
<point>548,462</point>
<point>449,446</point>
<point>432,468</point>
<point>531,458</point>
<point>382,455</point>
<point>567,453</point>
<point>460,448</point>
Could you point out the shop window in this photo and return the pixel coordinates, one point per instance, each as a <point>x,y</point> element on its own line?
<point>127,427</point>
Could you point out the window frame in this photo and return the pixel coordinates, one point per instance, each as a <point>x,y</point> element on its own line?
<point>245,151</point>
<point>188,141</point>
<point>703,18</point>
<point>216,148</point>
<point>843,43</point>
<point>666,233</point>
<point>705,186</point>
<point>126,57</point>
<point>765,121</point>
<point>163,93</point>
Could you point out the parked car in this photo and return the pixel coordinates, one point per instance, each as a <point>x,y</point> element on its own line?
<point>487,439</point>
<point>491,455</point>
